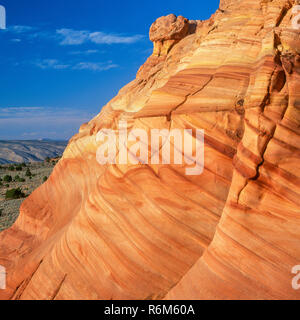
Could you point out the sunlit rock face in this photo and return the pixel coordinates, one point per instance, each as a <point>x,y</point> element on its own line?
<point>166,31</point>
<point>150,231</point>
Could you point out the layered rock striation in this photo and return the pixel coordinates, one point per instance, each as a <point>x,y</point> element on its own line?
<point>150,231</point>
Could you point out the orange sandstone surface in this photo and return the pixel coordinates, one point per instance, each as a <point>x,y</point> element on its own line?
<point>150,231</point>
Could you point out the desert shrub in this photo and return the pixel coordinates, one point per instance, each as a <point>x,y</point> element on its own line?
<point>28,173</point>
<point>7,178</point>
<point>47,159</point>
<point>19,168</point>
<point>14,194</point>
<point>45,179</point>
<point>11,168</point>
<point>19,179</point>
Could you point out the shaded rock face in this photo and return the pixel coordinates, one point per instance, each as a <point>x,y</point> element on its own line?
<point>150,231</point>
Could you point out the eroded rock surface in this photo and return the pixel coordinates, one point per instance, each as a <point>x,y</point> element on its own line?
<point>149,231</point>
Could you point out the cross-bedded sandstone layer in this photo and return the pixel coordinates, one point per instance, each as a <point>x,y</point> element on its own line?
<point>150,231</point>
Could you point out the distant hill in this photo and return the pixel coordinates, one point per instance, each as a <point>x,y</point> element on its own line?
<point>19,151</point>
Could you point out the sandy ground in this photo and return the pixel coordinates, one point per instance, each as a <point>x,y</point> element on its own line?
<point>10,208</point>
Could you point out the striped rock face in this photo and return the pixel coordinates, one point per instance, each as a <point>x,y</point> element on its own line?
<point>135,231</point>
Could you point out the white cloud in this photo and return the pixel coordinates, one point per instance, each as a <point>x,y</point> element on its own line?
<point>41,122</point>
<point>15,40</point>
<point>30,134</point>
<point>58,65</point>
<point>102,38</point>
<point>51,64</point>
<point>85,52</point>
<point>7,111</point>
<point>94,66</point>
<point>72,37</point>
<point>20,29</point>
<point>36,114</point>
<point>75,37</point>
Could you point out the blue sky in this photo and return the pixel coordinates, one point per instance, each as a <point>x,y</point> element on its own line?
<point>62,60</point>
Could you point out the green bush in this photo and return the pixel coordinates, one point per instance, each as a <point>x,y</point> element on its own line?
<point>19,168</point>
<point>7,178</point>
<point>45,179</point>
<point>11,168</point>
<point>28,173</point>
<point>19,179</point>
<point>14,194</point>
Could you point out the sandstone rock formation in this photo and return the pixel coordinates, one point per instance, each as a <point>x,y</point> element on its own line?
<point>150,231</point>
<point>166,31</point>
